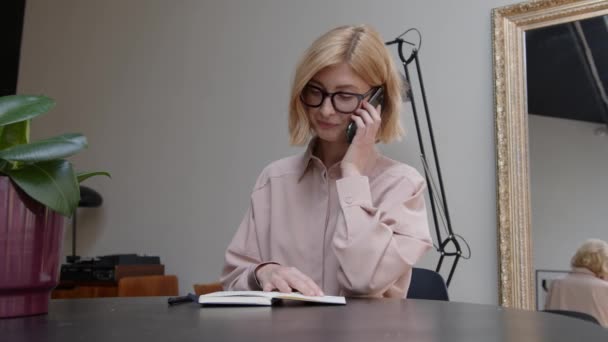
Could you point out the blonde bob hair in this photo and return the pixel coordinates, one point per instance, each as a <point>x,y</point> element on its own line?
<point>593,255</point>
<point>362,48</point>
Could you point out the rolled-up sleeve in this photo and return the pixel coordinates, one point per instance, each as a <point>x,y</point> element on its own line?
<point>377,245</point>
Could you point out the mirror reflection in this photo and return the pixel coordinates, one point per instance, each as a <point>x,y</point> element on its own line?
<point>567,82</point>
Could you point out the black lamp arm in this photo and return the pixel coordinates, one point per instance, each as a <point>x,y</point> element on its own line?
<point>438,200</point>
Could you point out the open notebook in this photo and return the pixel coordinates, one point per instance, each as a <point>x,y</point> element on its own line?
<point>262,298</point>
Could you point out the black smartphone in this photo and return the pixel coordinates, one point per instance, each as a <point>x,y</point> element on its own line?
<point>376,99</point>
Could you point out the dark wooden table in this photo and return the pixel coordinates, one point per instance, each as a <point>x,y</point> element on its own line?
<point>150,319</point>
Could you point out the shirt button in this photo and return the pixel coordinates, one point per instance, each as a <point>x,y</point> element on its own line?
<point>348,200</point>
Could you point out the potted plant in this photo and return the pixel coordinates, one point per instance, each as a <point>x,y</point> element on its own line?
<point>38,190</point>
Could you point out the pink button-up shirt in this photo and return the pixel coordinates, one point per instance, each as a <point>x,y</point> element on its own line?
<point>353,236</point>
<point>580,291</point>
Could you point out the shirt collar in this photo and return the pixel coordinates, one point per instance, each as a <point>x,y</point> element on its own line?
<point>582,270</point>
<point>307,157</point>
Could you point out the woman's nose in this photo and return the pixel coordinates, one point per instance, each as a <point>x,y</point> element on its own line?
<point>327,108</point>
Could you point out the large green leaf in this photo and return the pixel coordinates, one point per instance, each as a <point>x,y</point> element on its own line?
<point>48,149</point>
<point>51,183</point>
<point>16,108</point>
<point>14,134</point>
<point>82,176</point>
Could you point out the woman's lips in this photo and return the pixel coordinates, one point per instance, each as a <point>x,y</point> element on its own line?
<point>326,125</point>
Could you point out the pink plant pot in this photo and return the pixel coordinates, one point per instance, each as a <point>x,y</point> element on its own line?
<point>31,237</point>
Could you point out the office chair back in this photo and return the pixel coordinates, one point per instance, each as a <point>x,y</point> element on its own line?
<point>427,284</point>
<point>201,289</point>
<point>152,285</point>
<point>575,314</point>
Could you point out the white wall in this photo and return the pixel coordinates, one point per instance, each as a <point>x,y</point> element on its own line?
<point>185,103</point>
<point>569,192</point>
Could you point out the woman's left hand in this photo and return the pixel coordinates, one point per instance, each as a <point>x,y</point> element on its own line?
<point>361,149</point>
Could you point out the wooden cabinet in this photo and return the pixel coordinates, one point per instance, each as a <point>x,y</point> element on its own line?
<point>94,289</point>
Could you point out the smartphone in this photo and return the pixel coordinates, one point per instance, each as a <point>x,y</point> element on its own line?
<point>376,99</point>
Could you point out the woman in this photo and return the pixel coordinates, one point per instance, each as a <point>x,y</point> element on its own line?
<point>585,288</point>
<point>339,219</point>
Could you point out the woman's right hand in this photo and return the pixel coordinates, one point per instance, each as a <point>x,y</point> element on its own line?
<point>286,279</point>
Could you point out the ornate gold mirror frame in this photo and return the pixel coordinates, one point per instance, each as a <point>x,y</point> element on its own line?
<point>509,24</point>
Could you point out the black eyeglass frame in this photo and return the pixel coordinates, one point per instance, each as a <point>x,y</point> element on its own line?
<point>325,94</point>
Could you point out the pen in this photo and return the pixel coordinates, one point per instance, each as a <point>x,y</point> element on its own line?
<point>190,297</point>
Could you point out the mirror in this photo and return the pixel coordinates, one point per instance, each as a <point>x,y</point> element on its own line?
<point>533,131</point>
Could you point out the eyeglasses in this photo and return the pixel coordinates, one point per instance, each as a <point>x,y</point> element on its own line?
<point>343,102</point>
